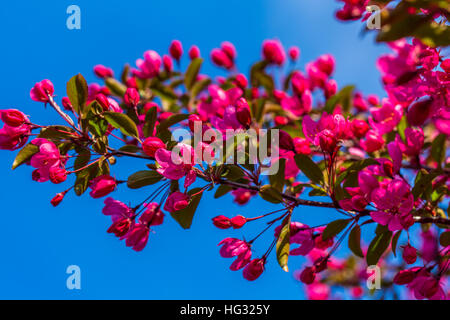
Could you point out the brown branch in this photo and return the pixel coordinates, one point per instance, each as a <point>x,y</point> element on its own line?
<point>303,202</point>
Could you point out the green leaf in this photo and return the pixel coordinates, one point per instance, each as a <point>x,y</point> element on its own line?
<point>444,239</point>
<point>77,91</point>
<point>309,168</point>
<point>377,247</point>
<point>143,178</point>
<point>82,159</point>
<point>172,120</point>
<point>354,241</point>
<point>232,172</point>
<point>123,123</point>
<point>192,72</point>
<point>116,87</point>
<point>394,242</point>
<point>184,217</point>
<point>277,180</point>
<point>222,190</point>
<point>283,244</point>
<point>334,228</point>
<point>25,154</point>
<point>150,120</point>
<point>57,133</point>
<point>270,194</point>
<point>438,148</point>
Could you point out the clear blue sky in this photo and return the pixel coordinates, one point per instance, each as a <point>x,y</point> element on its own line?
<point>38,242</point>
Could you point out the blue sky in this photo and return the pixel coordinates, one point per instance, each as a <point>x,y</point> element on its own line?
<point>39,242</point>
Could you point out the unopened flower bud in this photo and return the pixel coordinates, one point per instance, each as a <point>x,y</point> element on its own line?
<point>308,275</point>
<point>67,105</point>
<point>409,254</point>
<point>254,269</point>
<point>222,222</point>
<point>103,72</point>
<point>151,145</point>
<point>194,52</point>
<point>131,97</point>
<point>238,222</point>
<point>176,49</point>
<point>12,117</point>
<point>57,175</point>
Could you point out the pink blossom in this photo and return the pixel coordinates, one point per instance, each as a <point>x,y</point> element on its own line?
<point>254,269</point>
<point>14,137</point>
<point>149,67</point>
<point>232,247</point>
<point>42,90</point>
<point>394,203</point>
<point>13,118</point>
<point>372,142</point>
<point>414,141</point>
<point>176,201</point>
<point>46,158</point>
<point>242,196</point>
<point>137,238</point>
<point>327,132</point>
<point>318,291</point>
<point>409,254</point>
<point>176,165</point>
<point>294,53</point>
<point>386,117</point>
<point>102,186</point>
<point>273,52</point>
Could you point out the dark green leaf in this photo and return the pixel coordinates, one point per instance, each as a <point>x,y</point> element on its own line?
<point>334,228</point>
<point>354,241</point>
<point>184,217</point>
<point>123,123</point>
<point>143,178</point>
<point>438,148</point>
<point>222,190</point>
<point>25,154</point>
<point>172,120</point>
<point>277,180</point>
<point>192,72</point>
<point>77,91</point>
<point>283,244</point>
<point>377,247</point>
<point>309,168</point>
<point>444,239</point>
<point>394,242</point>
<point>270,194</point>
<point>150,120</point>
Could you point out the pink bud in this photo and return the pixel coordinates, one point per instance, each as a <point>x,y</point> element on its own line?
<point>193,118</point>
<point>373,99</point>
<point>301,146</point>
<point>294,53</point>
<point>326,63</point>
<point>254,269</point>
<point>273,52</point>
<point>58,198</point>
<point>404,277</point>
<point>419,112</point>
<point>131,83</point>
<point>176,201</point>
<point>194,52</point>
<point>445,65</point>
<point>12,117</point>
<point>103,101</point>
<point>131,97</point>
<point>241,81</point>
<point>286,141</point>
<point>243,112</point>
<point>221,59</point>
<point>308,275</point>
<point>120,227</point>
<point>57,175</point>
<point>102,186</point>
<point>167,63</point>
<point>176,50</point>
<point>67,104</point>
<point>103,72</point>
<point>151,145</point>
<point>409,254</point>
<point>41,91</point>
<point>222,222</point>
<point>238,222</point>
<point>330,88</point>
<point>229,49</point>
<point>359,128</point>
<point>280,120</point>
